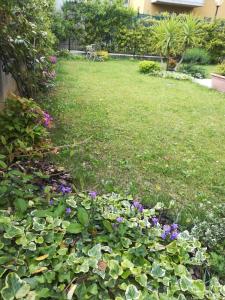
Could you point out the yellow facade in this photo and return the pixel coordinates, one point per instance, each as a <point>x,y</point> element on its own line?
<point>208,10</point>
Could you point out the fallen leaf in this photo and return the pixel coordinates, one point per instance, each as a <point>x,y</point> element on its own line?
<point>40,270</point>
<point>41,257</point>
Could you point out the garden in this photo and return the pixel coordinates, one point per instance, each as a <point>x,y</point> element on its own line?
<point>111,170</point>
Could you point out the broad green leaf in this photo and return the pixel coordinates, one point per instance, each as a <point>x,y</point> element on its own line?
<point>71,202</point>
<point>21,205</point>
<point>93,289</point>
<point>74,228</point>
<point>185,283</point>
<point>81,291</point>
<point>3,164</point>
<point>84,268</point>
<point>114,269</point>
<point>180,270</point>
<point>83,216</point>
<point>13,231</point>
<point>95,252</point>
<point>108,226</point>
<point>14,287</point>
<point>127,264</point>
<point>142,279</point>
<point>157,271</point>
<point>198,288</point>
<point>172,247</point>
<point>132,293</point>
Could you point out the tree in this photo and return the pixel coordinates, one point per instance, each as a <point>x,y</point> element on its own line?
<point>174,35</point>
<point>167,36</point>
<point>96,21</point>
<point>26,39</point>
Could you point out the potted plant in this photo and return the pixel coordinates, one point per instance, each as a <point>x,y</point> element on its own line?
<point>218,78</point>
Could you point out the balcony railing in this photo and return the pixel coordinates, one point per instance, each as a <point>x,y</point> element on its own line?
<point>188,3</point>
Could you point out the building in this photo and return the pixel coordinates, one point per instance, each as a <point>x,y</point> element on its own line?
<point>59,4</point>
<point>201,8</point>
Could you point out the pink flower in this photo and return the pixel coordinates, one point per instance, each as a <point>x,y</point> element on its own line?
<point>53,59</point>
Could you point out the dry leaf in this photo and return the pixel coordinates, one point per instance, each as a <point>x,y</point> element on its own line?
<point>41,257</point>
<point>42,269</point>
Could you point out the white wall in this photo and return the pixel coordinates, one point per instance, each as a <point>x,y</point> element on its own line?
<point>59,4</point>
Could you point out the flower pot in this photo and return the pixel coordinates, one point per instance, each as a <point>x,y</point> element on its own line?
<point>218,82</point>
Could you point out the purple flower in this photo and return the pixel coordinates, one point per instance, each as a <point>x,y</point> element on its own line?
<point>167,229</point>
<point>138,205</point>
<point>65,189</point>
<point>53,59</point>
<point>174,226</point>
<point>119,219</point>
<point>51,202</point>
<point>174,235</point>
<point>47,119</point>
<point>155,220</point>
<point>68,210</point>
<point>164,235</point>
<point>93,194</point>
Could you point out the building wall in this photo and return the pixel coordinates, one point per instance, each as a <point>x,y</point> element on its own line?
<point>7,85</point>
<point>208,10</point>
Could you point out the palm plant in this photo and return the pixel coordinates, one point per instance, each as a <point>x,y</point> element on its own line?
<point>189,34</point>
<point>167,37</point>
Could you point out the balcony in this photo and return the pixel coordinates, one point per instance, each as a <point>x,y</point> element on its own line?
<point>187,3</point>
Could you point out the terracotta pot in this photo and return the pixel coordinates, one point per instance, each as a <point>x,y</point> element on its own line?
<point>218,82</point>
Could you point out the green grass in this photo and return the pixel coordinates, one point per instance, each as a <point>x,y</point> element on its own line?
<point>158,139</point>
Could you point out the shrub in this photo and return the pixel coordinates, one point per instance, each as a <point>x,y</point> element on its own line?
<point>22,127</point>
<point>221,69</point>
<point>106,247</point>
<point>147,67</point>
<point>193,70</point>
<point>26,41</point>
<point>196,56</point>
<point>104,55</point>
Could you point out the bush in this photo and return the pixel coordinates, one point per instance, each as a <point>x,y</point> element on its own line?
<point>148,67</point>
<point>99,247</point>
<point>193,70</point>
<point>197,56</point>
<point>221,69</point>
<point>104,55</point>
<point>22,127</point>
<point>26,41</point>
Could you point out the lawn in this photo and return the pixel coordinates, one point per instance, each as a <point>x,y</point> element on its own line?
<point>157,139</point>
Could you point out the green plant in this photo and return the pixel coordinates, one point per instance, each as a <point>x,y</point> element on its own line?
<point>196,56</point>
<point>213,38</point>
<point>148,67</point>
<point>172,75</point>
<point>134,40</point>
<point>22,128</point>
<point>99,247</point>
<point>26,42</point>
<point>193,70</point>
<point>104,55</point>
<point>91,22</point>
<point>174,35</point>
<point>221,69</point>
